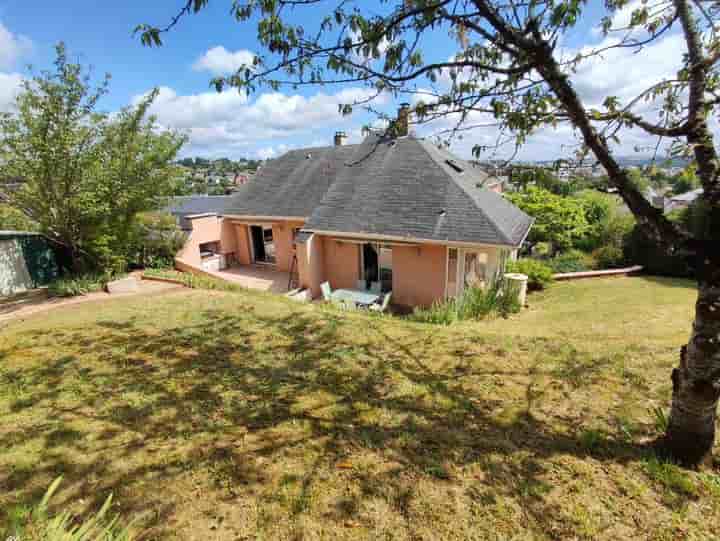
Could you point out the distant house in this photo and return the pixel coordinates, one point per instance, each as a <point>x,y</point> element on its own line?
<point>683,200</point>
<point>395,210</point>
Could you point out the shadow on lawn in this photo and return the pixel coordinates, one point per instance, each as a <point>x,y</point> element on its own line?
<point>231,389</point>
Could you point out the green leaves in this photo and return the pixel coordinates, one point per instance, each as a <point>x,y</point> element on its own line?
<point>558,220</point>
<point>85,174</point>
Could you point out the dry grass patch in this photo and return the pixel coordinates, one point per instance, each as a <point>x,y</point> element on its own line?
<point>244,416</point>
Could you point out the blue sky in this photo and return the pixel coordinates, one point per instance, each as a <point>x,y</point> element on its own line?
<point>267,123</point>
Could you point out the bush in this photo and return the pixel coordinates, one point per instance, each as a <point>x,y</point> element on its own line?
<point>609,220</point>
<point>609,257</point>
<point>36,524</point>
<point>639,250</point>
<point>539,274</point>
<point>156,240</point>
<point>499,297</point>
<point>73,286</point>
<point>14,220</point>
<point>572,261</point>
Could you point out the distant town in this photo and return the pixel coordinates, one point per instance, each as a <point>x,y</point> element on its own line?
<point>220,176</point>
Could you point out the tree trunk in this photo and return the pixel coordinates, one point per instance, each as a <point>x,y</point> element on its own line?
<point>696,382</point>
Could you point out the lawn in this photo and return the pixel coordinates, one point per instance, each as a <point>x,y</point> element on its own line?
<point>215,415</point>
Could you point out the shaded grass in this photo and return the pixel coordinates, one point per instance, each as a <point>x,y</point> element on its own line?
<point>248,416</point>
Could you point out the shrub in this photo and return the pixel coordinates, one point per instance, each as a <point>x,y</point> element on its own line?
<point>609,257</point>
<point>639,250</point>
<point>539,274</point>
<point>558,220</point>
<point>499,297</point>
<point>72,286</point>
<point>609,221</point>
<point>542,249</point>
<point>572,261</point>
<point>37,525</point>
<point>155,241</point>
<point>12,219</point>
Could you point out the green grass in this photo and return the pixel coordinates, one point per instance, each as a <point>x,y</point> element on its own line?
<point>218,415</point>
<point>193,281</point>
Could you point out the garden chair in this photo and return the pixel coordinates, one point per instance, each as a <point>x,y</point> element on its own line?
<point>382,307</point>
<point>326,291</point>
<point>375,287</point>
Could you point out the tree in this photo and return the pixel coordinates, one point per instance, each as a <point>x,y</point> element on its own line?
<point>86,174</point>
<point>558,220</point>
<point>608,223</point>
<point>509,71</point>
<point>522,177</point>
<point>685,181</point>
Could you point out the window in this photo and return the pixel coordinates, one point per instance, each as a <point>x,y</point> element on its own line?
<point>386,268</point>
<point>474,269</point>
<point>452,272</point>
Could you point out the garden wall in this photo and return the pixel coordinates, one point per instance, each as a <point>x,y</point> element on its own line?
<point>598,273</point>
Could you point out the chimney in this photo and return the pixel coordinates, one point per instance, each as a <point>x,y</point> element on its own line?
<point>401,125</point>
<point>340,138</point>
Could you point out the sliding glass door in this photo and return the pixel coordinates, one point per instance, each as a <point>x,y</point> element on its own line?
<point>376,265</point>
<point>263,244</point>
<point>465,269</point>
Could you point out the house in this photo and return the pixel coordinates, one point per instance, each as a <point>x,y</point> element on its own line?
<point>396,210</point>
<point>683,200</point>
<point>200,217</point>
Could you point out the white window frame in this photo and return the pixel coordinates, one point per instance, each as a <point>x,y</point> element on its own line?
<point>459,272</point>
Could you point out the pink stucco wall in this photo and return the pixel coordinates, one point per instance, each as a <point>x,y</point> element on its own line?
<point>243,255</point>
<point>418,271</point>
<point>342,262</point>
<point>418,274</point>
<point>282,236</point>
<point>284,249</point>
<point>204,229</point>
<point>228,237</point>
<point>311,264</point>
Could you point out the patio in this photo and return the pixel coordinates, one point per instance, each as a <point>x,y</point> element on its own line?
<point>256,277</point>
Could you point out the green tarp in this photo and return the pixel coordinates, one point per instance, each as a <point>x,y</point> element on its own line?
<point>27,261</point>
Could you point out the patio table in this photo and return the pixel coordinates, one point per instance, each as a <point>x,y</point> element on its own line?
<point>365,298</point>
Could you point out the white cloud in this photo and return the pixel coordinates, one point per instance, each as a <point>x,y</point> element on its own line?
<point>228,123</point>
<point>220,61</point>
<point>625,72</point>
<point>10,84</point>
<point>12,47</point>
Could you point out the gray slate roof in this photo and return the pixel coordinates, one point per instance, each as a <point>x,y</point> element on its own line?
<point>688,197</point>
<point>190,205</point>
<point>293,184</point>
<point>403,187</point>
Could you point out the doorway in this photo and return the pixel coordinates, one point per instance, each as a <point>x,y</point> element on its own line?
<point>376,265</point>
<point>263,244</point>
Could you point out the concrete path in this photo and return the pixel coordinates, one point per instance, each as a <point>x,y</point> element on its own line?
<point>39,303</point>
